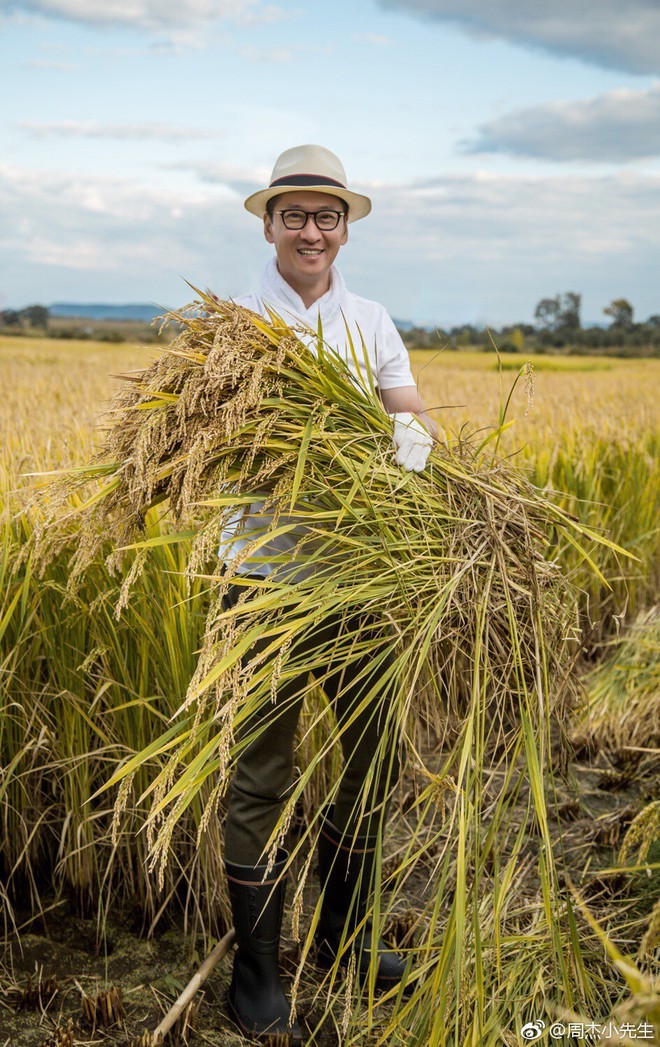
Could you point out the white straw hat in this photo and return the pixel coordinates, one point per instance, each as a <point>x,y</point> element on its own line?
<point>309,167</point>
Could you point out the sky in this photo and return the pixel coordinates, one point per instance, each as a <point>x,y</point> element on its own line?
<point>511,148</point>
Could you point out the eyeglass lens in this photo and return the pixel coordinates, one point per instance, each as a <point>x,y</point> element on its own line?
<point>325,220</point>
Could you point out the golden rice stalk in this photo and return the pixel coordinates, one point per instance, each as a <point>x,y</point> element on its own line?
<point>643,832</point>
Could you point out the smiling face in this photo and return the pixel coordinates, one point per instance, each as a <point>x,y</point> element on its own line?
<point>304,256</point>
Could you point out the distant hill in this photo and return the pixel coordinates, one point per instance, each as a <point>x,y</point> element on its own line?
<point>403,325</point>
<point>143,311</point>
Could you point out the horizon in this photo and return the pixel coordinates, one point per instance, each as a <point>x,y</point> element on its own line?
<point>400,321</point>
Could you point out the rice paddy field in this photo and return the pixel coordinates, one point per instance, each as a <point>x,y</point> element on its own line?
<point>527,947</point>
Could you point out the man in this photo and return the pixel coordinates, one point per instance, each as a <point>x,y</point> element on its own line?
<point>306,211</point>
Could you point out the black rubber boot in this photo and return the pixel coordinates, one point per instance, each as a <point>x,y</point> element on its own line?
<point>345,870</point>
<point>256,999</point>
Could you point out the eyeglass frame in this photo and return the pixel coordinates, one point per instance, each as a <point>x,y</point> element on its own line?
<point>312,214</point>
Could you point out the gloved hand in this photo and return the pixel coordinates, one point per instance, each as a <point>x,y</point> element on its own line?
<point>412,441</point>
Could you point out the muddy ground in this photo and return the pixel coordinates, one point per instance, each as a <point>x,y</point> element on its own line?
<point>61,950</point>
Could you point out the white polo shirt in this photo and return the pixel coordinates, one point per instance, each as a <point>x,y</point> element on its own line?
<point>367,322</point>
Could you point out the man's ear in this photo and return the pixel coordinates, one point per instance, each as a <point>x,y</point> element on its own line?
<point>344,235</point>
<point>268,228</point>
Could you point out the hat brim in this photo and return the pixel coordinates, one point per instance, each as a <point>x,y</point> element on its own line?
<point>358,206</point>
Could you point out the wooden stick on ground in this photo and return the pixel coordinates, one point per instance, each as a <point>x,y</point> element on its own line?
<point>214,957</point>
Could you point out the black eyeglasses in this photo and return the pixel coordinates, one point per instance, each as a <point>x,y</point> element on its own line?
<point>326,219</point>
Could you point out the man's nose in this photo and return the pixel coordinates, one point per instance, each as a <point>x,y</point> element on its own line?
<point>310,228</point>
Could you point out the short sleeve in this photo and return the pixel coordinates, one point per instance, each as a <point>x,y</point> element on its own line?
<point>392,359</point>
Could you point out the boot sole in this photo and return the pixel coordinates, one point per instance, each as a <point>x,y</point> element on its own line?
<point>261,1037</point>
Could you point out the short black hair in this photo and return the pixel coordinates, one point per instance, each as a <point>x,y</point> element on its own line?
<point>270,206</point>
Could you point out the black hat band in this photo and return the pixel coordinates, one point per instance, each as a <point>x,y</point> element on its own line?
<point>306,179</point>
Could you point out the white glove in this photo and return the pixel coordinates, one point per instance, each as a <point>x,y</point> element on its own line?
<point>412,441</point>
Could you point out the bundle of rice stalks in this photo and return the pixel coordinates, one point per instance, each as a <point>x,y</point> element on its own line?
<point>623,712</point>
<point>466,614</point>
<point>237,407</point>
<point>636,1016</point>
<point>609,481</point>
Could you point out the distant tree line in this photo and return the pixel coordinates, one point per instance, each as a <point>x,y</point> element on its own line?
<point>33,317</point>
<point>558,328</point>
<point>37,320</point>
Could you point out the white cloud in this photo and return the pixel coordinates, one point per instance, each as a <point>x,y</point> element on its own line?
<point>284,55</point>
<point>372,38</point>
<point>618,126</point>
<point>488,247</point>
<point>50,63</point>
<point>241,180</point>
<point>65,235</point>
<point>269,55</point>
<point>127,132</point>
<point>447,250</point>
<point>153,15</point>
<point>608,33</point>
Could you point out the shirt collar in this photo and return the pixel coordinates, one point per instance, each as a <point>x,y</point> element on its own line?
<point>276,291</point>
